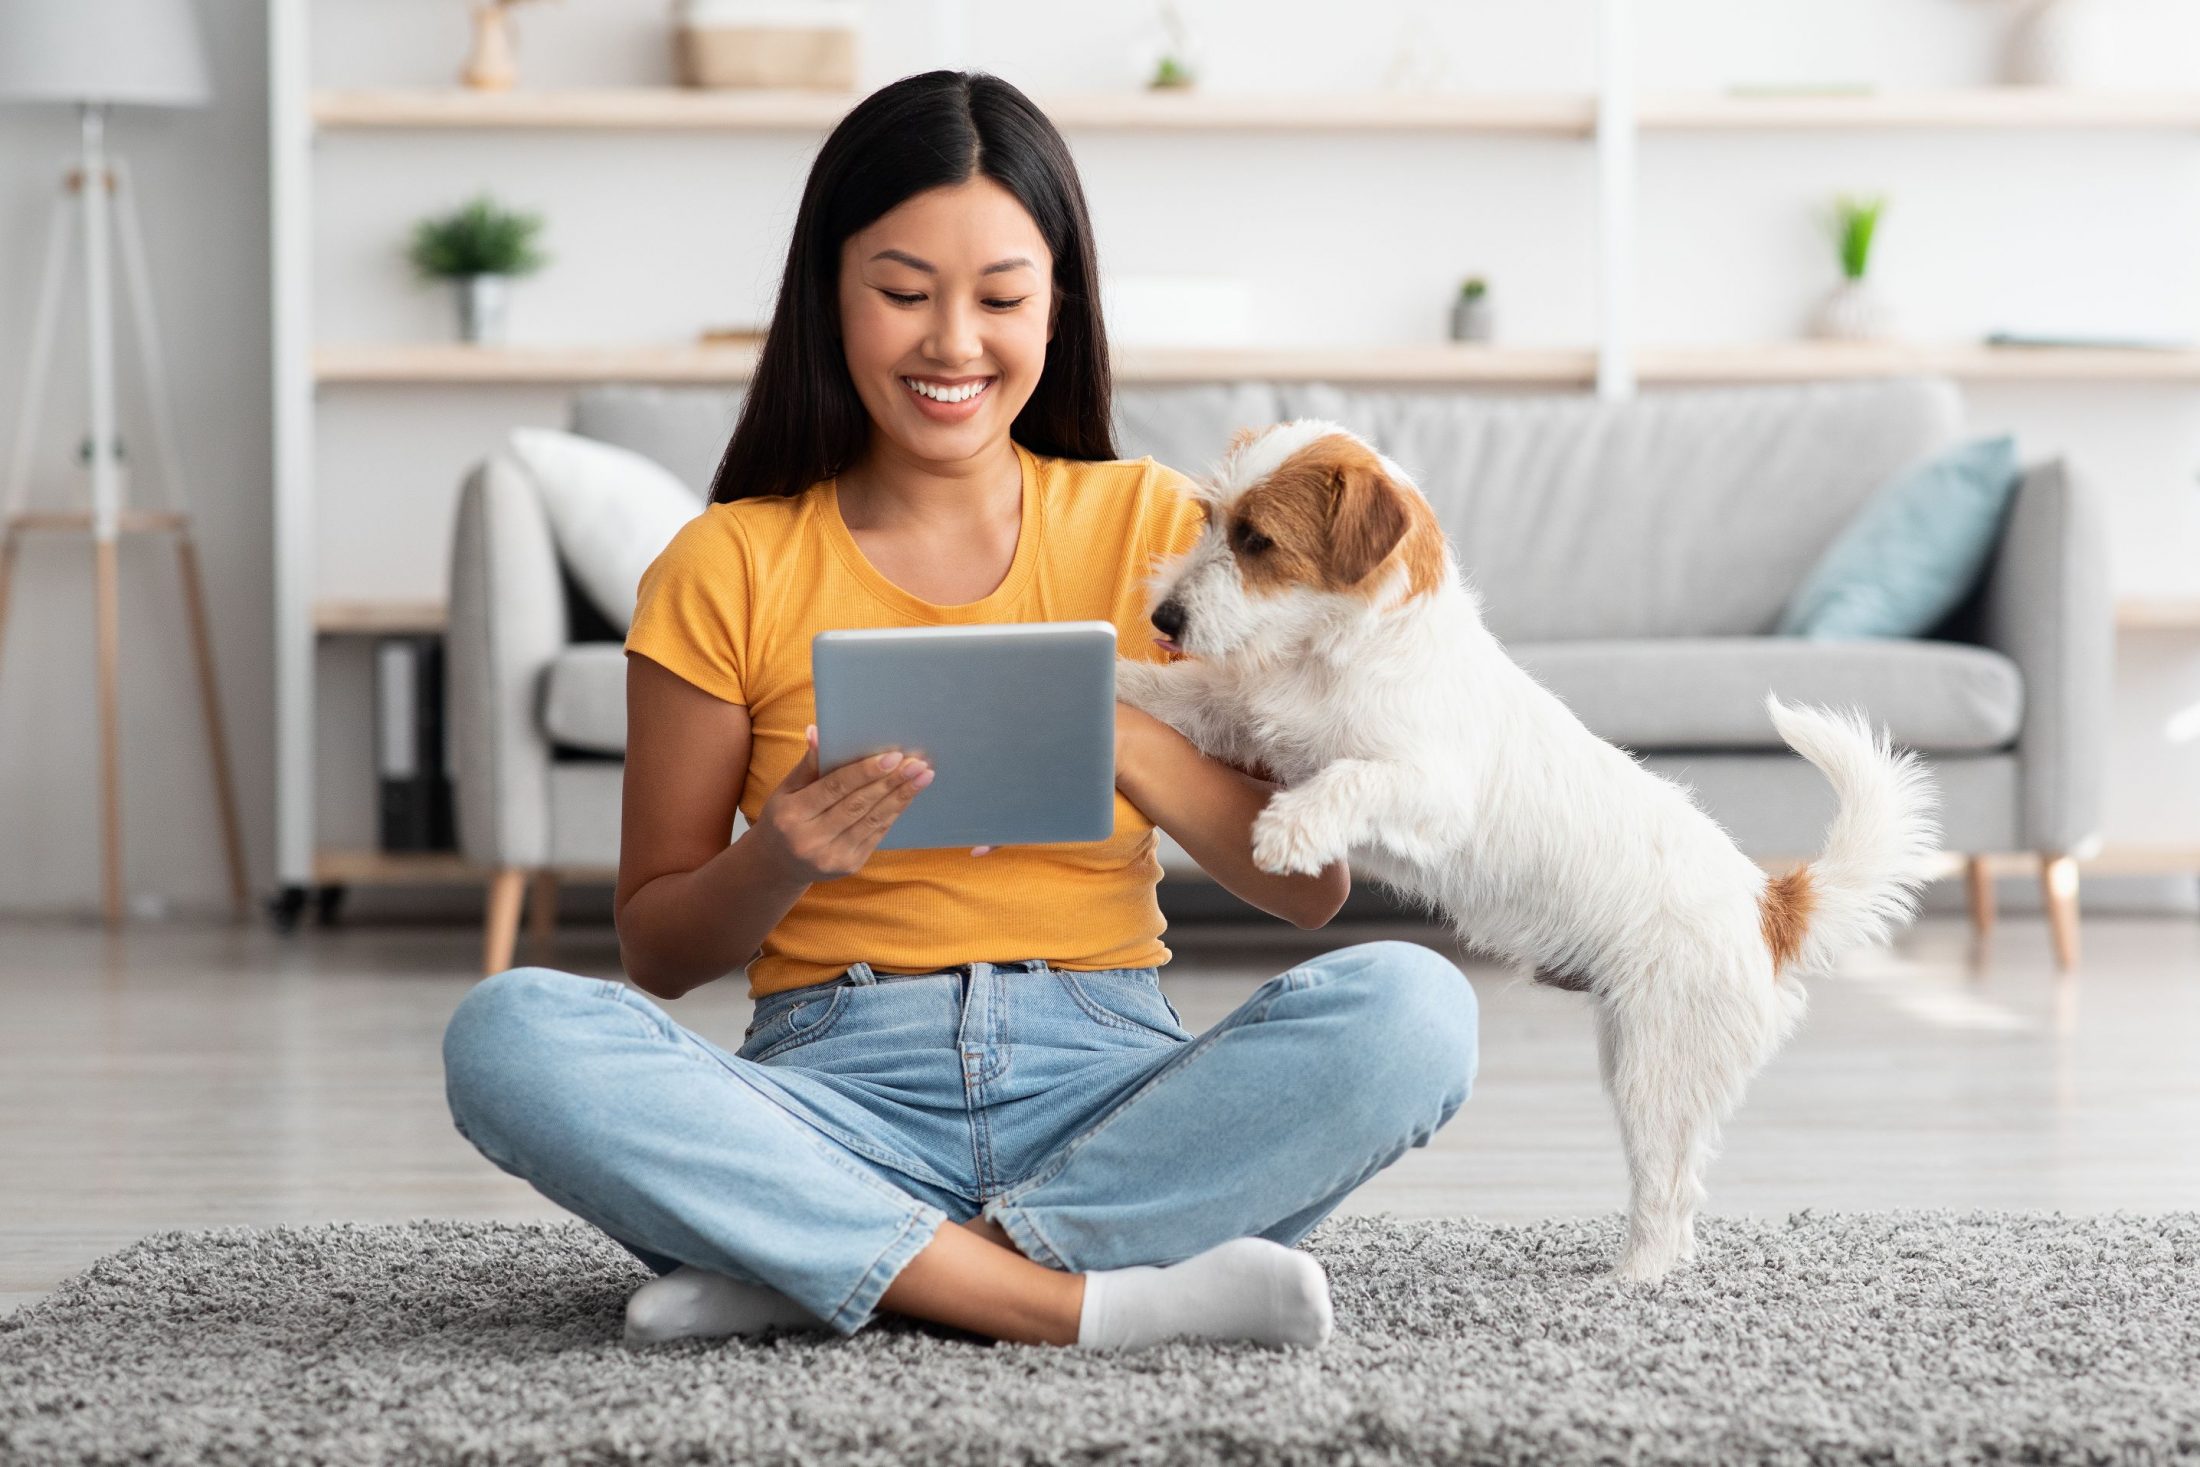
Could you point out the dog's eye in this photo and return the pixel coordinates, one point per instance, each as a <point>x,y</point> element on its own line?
<point>1252,541</point>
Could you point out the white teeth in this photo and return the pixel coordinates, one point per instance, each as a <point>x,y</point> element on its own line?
<point>946,394</point>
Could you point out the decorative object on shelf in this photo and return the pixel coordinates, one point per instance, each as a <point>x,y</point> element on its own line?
<point>1471,317</point>
<point>2058,43</point>
<point>1855,310</point>
<point>480,248</point>
<point>810,46</point>
<point>96,55</point>
<point>1173,65</point>
<point>1419,62</point>
<point>491,66</point>
<point>732,336</point>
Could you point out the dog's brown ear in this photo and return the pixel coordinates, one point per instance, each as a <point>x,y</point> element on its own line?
<point>1367,519</point>
<point>1241,437</point>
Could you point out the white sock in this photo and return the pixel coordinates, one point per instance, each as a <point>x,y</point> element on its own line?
<point>1245,1289</point>
<point>691,1301</point>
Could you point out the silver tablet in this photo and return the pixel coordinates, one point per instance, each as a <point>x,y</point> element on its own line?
<point>1016,718</point>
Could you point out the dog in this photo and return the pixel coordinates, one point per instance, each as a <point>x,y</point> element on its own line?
<point>1332,643</point>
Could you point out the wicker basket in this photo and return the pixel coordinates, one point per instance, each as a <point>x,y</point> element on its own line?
<point>802,44</point>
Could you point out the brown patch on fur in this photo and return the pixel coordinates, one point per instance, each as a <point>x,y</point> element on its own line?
<point>1784,909</point>
<point>1333,517</point>
<point>1243,436</point>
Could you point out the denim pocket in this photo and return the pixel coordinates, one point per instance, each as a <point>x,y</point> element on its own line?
<point>793,1018</point>
<point>1124,998</point>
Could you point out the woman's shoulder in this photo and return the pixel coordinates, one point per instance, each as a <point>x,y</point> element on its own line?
<point>1144,477</point>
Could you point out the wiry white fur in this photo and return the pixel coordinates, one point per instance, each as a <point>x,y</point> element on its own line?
<point>1408,741</point>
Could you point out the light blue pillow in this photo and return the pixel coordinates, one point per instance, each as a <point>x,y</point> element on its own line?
<point>1914,551</point>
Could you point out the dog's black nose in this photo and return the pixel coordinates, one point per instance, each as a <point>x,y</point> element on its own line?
<point>1170,618</point>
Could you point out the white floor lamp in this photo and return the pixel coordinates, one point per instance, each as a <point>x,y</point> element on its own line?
<point>97,54</point>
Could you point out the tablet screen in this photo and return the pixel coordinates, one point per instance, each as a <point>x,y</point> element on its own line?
<point>1017,719</point>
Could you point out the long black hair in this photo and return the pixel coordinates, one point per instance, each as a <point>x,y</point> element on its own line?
<point>801,421</point>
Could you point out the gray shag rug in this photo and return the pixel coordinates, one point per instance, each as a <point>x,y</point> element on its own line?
<point>1871,1337</point>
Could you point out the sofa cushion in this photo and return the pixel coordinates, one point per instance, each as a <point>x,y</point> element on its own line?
<point>584,697</point>
<point>1708,692</point>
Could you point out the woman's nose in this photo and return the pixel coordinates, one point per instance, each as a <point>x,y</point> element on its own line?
<point>954,335</point>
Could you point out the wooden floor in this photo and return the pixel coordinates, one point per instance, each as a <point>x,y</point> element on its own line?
<point>189,1076</point>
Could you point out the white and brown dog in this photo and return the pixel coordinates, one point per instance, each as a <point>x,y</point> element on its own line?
<point>1335,645</point>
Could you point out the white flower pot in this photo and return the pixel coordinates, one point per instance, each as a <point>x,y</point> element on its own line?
<point>1855,310</point>
<point>481,300</point>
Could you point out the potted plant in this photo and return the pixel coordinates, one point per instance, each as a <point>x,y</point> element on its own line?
<point>1855,310</point>
<point>1470,314</point>
<point>1175,68</point>
<point>479,247</point>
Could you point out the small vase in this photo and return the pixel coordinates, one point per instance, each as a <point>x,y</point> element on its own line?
<point>1472,319</point>
<point>481,300</point>
<point>1854,310</point>
<point>490,67</point>
<point>2056,43</point>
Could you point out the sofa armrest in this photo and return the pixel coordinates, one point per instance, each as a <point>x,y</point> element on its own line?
<point>507,624</point>
<point>2047,604</point>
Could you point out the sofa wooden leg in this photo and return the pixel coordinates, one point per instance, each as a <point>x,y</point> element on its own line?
<point>542,912</point>
<point>1978,877</point>
<point>501,931</point>
<point>2059,890</point>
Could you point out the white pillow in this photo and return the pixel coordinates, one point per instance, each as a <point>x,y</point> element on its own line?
<point>611,509</point>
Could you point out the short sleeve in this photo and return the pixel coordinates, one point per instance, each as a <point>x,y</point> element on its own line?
<point>1175,521</point>
<point>1176,515</point>
<point>691,609</point>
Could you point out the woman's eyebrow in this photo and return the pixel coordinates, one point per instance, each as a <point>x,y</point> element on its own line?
<point>1011,263</point>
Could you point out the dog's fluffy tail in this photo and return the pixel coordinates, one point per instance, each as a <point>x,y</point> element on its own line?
<point>1864,883</point>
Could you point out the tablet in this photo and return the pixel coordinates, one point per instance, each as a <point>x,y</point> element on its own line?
<point>1017,720</point>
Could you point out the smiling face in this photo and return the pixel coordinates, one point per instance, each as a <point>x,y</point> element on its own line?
<point>1306,525</point>
<point>946,307</point>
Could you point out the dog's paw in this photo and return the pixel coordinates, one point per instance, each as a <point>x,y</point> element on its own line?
<point>1644,1266</point>
<point>1288,842</point>
<point>1137,683</point>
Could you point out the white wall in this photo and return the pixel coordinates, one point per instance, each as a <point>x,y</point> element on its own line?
<point>1344,240</point>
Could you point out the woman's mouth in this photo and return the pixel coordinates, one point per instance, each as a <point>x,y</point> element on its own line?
<point>948,402</point>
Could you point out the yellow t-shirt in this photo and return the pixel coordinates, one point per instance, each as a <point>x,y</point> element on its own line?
<point>730,605</point>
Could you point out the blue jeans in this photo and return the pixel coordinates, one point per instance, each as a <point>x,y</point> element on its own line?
<point>860,1114</point>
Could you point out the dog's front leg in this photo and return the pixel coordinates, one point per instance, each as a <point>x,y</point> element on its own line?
<point>1182,695</point>
<point>1350,802</point>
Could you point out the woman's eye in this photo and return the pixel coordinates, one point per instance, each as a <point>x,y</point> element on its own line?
<point>899,298</point>
<point>1009,305</point>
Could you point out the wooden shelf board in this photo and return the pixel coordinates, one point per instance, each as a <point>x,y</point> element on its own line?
<point>1434,362</point>
<point>1533,114</point>
<point>378,618</point>
<point>678,108</point>
<point>1968,108</point>
<point>2159,614</point>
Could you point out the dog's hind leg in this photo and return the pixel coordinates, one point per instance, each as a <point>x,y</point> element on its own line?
<point>1675,1065</point>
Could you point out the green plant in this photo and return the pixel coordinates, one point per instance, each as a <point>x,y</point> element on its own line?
<point>1855,221</point>
<point>1473,288</point>
<point>479,238</point>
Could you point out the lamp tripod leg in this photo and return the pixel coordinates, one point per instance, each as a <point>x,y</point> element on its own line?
<point>110,724</point>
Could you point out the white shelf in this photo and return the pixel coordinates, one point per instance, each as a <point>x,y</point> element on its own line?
<point>1534,114</point>
<point>455,363</point>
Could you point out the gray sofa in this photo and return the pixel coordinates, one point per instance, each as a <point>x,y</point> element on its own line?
<point>1633,555</point>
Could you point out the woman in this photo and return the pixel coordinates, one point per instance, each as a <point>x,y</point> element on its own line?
<point>1028,1146</point>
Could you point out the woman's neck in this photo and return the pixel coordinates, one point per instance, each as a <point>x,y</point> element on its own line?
<point>886,489</point>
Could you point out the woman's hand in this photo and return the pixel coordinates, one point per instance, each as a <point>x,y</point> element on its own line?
<point>817,828</point>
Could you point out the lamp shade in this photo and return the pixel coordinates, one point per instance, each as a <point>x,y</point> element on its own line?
<point>145,53</point>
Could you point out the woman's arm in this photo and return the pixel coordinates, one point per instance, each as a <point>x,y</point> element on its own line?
<point>1210,807</point>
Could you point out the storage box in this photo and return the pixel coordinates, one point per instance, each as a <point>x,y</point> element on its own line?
<point>804,44</point>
